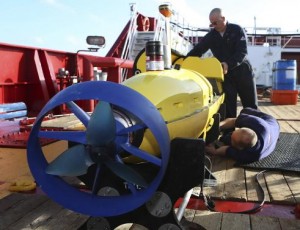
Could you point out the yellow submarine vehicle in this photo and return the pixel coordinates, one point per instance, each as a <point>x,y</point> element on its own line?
<point>142,147</point>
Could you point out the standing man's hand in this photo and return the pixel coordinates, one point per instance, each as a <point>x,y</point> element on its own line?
<point>225,67</point>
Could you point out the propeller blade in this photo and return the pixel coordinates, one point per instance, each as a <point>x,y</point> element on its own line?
<point>126,173</point>
<point>72,162</point>
<point>102,125</point>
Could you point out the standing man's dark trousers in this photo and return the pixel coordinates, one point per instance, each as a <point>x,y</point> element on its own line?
<point>239,82</point>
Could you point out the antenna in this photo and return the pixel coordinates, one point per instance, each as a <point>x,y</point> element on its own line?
<point>166,11</point>
<point>254,26</point>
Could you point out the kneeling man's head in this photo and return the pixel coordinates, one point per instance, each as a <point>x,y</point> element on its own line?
<point>243,138</point>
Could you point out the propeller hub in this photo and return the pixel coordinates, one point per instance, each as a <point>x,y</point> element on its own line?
<point>99,153</point>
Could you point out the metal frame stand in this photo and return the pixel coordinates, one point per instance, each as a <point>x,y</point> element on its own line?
<point>185,171</point>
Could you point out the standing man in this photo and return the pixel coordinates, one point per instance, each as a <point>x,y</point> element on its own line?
<point>228,43</point>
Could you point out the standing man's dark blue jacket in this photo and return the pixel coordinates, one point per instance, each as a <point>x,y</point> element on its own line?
<point>231,47</point>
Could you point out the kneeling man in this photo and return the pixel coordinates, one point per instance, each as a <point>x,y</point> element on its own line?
<point>255,136</point>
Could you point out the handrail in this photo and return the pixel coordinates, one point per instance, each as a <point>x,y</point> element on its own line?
<point>126,52</point>
<point>130,37</point>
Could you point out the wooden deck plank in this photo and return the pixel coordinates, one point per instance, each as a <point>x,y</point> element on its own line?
<point>295,125</point>
<point>37,217</point>
<point>263,223</point>
<point>269,109</point>
<point>219,171</point>
<point>293,182</point>
<point>14,166</point>
<point>254,193</point>
<point>235,221</point>
<point>189,214</point>
<point>209,220</point>
<point>63,122</point>
<point>20,209</point>
<point>292,110</point>
<point>59,121</point>
<point>282,112</point>
<point>288,224</point>
<point>64,220</point>
<point>13,163</point>
<point>285,127</point>
<point>4,191</point>
<point>10,201</point>
<point>235,186</point>
<point>244,188</point>
<point>288,112</point>
<point>279,191</point>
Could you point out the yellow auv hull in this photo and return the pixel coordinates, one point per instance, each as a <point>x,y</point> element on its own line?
<point>184,99</point>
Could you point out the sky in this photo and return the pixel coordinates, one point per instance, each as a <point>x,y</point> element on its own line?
<point>65,24</point>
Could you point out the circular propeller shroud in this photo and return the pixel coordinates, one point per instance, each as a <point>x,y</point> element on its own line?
<point>80,201</point>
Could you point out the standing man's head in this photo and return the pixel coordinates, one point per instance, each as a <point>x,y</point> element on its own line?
<point>217,20</point>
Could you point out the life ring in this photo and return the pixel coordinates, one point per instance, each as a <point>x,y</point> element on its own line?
<point>22,186</point>
<point>146,24</point>
<point>143,23</point>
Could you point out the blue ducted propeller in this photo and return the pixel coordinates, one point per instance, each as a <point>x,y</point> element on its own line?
<point>101,144</point>
<point>100,134</point>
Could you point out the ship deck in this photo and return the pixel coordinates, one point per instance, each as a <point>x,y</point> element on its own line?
<point>235,185</point>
